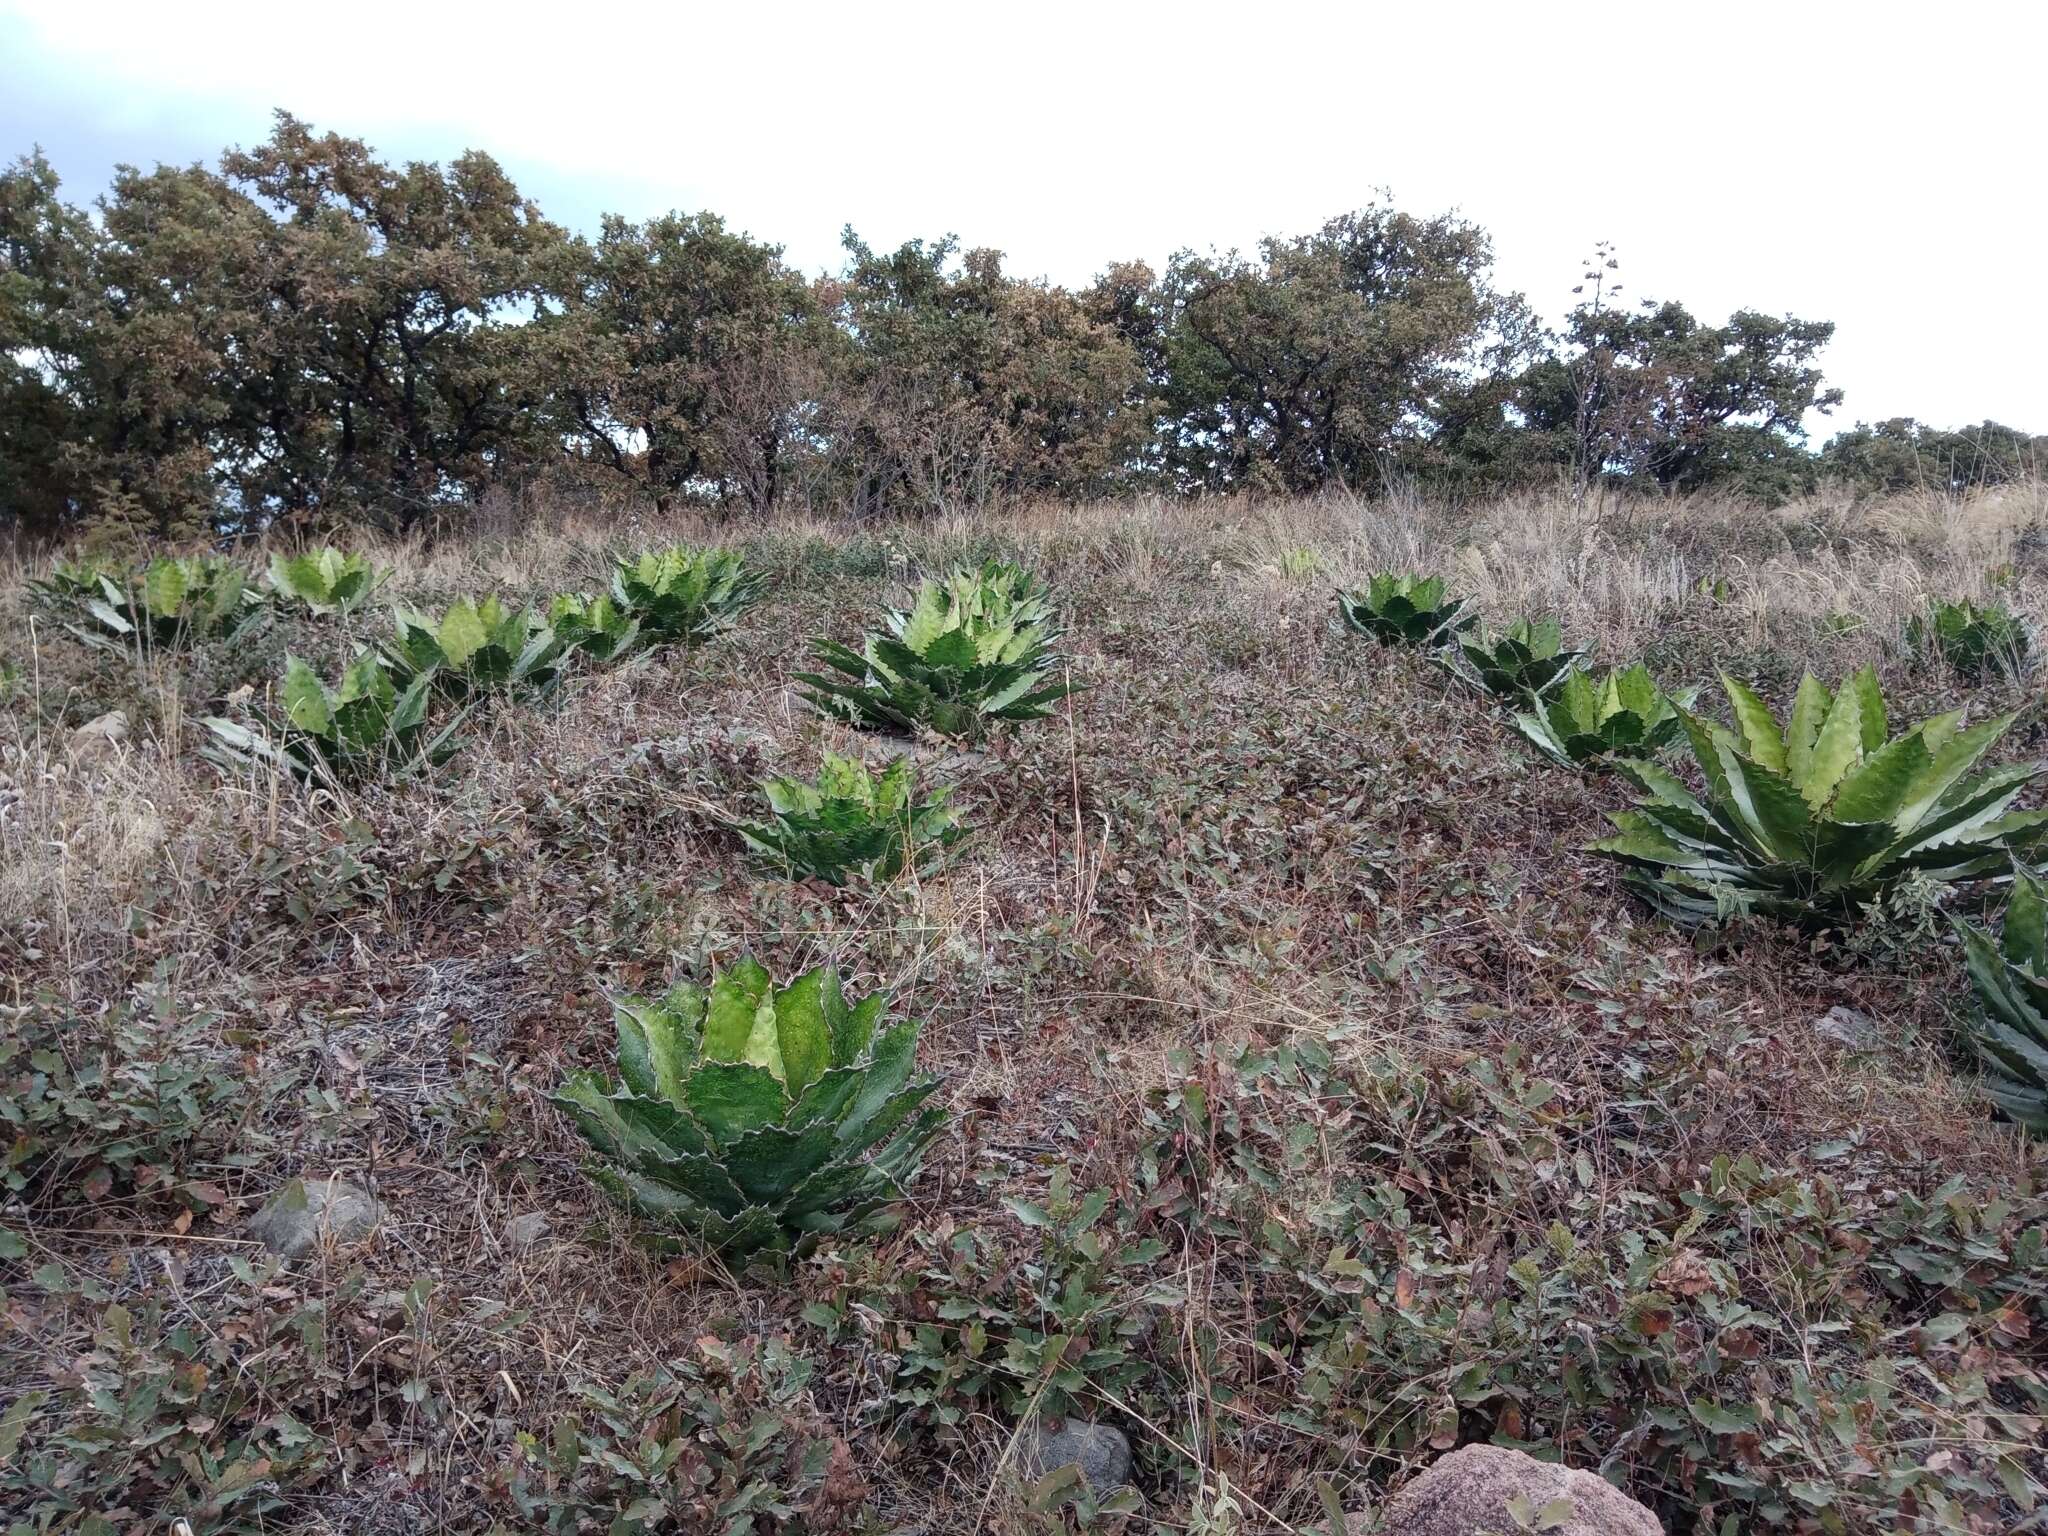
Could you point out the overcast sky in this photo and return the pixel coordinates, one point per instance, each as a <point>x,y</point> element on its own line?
<point>1873,164</point>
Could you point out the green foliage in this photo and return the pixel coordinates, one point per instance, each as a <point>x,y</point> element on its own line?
<point>595,627</point>
<point>1970,639</point>
<point>851,823</point>
<point>1528,660</point>
<point>752,1118</point>
<point>363,726</point>
<point>68,584</point>
<point>1750,1331</point>
<point>970,651</point>
<point>1904,455</point>
<point>1399,609</point>
<point>1047,1329</point>
<point>1323,356</point>
<point>678,357</point>
<point>473,647</point>
<point>1586,722</point>
<point>1812,820</point>
<point>174,602</point>
<point>728,1441</point>
<point>681,595</point>
<point>2010,1031</point>
<point>167,1413</point>
<point>325,580</point>
<point>1653,395</point>
<point>135,1102</point>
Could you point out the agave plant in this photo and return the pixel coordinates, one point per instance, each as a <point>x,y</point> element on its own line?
<point>1815,819</point>
<point>174,602</point>
<point>970,651</point>
<point>1528,660</point>
<point>69,584</point>
<point>1399,609</point>
<point>851,823</point>
<point>684,595</point>
<point>473,647</point>
<point>2010,1032</point>
<point>1625,714</point>
<point>324,580</point>
<point>593,626</point>
<point>754,1118</point>
<point>359,728</point>
<point>1970,639</point>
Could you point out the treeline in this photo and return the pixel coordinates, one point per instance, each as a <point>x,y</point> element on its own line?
<point>309,333</point>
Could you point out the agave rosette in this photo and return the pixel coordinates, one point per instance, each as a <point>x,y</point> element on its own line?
<point>750,1117</point>
<point>1813,820</point>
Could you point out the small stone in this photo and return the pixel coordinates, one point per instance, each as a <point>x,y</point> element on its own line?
<point>1101,1451</point>
<point>310,1210</point>
<point>1493,1488</point>
<point>99,738</point>
<point>1847,1028</point>
<point>522,1232</point>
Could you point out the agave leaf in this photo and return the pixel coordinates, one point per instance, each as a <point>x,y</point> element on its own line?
<point>305,699</point>
<point>770,1162</point>
<point>2025,937</point>
<point>1766,742</point>
<point>657,1040</point>
<point>887,1118</point>
<point>1870,708</point>
<point>1809,708</point>
<point>1836,750</point>
<point>737,998</point>
<point>894,1054</point>
<point>731,1098</point>
<point>165,586</point>
<point>1877,788</point>
<point>1953,757</point>
<point>803,1037</point>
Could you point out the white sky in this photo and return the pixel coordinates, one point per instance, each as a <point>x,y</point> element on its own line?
<point>1874,164</point>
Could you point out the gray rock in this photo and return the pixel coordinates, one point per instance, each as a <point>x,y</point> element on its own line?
<point>1492,1488</point>
<point>1100,1450</point>
<point>522,1232</point>
<point>99,738</point>
<point>311,1210</point>
<point>1848,1028</point>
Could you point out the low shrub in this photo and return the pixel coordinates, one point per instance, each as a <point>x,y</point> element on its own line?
<point>682,595</point>
<point>361,727</point>
<point>1583,722</point>
<point>1971,640</point>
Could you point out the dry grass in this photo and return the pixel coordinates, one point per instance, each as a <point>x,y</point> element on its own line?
<point>1251,828</point>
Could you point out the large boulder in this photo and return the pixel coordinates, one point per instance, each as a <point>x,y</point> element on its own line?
<point>1489,1488</point>
<point>316,1209</point>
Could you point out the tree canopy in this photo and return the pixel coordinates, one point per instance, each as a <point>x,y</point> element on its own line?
<point>307,332</point>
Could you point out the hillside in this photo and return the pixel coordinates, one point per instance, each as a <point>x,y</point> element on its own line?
<point>1413,1126</point>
